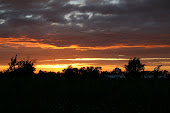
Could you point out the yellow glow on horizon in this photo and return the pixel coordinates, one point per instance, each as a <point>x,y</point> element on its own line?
<point>3,67</point>
<point>60,67</point>
<point>63,65</point>
<point>52,66</point>
<point>104,67</point>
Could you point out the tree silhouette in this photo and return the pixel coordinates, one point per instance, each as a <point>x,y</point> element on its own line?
<point>157,71</point>
<point>82,73</point>
<point>26,66</point>
<point>70,72</point>
<point>12,64</point>
<point>92,72</point>
<point>117,71</point>
<point>165,73</point>
<point>21,68</point>
<point>47,75</point>
<point>134,68</point>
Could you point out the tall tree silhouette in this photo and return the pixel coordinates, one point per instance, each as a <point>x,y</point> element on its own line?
<point>134,68</point>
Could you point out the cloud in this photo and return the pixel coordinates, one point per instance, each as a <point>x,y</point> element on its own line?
<point>103,59</point>
<point>96,27</point>
<point>101,14</point>
<point>32,43</point>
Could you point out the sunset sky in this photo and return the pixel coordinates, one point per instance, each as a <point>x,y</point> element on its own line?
<point>81,33</point>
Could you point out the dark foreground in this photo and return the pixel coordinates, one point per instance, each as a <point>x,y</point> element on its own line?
<point>85,96</point>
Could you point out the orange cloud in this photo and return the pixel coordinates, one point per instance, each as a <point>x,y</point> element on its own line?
<point>28,42</point>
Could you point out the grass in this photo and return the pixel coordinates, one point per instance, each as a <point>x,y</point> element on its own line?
<point>85,96</point>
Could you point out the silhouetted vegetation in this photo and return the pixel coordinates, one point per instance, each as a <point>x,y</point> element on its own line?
<point>20,68</point>
<point>157,71</point>
<point>117,71</point>
<point>90,72</point>
<point>47,75</point>
<point>134,69</point>
<point>71,73</point>
<point>84,90</point>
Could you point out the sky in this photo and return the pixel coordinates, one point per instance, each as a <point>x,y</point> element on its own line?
<point>104,33</point>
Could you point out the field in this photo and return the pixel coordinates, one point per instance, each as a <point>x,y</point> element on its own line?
<point>85,96</point>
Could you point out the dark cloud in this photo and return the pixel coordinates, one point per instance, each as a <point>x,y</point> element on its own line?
<point>90,23</point>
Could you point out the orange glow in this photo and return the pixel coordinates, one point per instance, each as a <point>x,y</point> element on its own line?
<point>60,67</point>
<point>89,59</point>
<point>28,42</point>
<point>103,59</point>
<point>33,43</point>
<point>63,65</point>
<point>3,67</point>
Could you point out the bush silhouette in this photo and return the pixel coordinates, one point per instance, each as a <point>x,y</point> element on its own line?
<point>47,75</point>
<point>117,71</point>
<point>25,68</point>
<point>22,68</point>
<point>12,64</point>
<point>90,72</point>
<point>82,73</point>
<point>134,68</point>
<point>70,72</point>
<point>157,71</point>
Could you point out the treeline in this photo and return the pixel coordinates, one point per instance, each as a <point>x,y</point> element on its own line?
<point>25,69</point>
